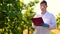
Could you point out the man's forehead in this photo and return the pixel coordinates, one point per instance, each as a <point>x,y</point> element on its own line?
<point>42,4</point>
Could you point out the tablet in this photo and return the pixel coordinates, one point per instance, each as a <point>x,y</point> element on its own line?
<point>37,21</point>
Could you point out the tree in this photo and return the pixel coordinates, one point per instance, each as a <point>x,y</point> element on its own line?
<point>10,16</point>
<point>58,20</point>
<point>12,19</point>
<point>28,14</point>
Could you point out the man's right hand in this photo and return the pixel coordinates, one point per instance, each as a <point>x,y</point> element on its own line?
<point>45,25</point>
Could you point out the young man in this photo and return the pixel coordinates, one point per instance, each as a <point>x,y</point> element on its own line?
<point>48,18</point>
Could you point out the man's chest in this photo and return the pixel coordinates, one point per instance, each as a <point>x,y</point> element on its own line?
<point>46,19</point>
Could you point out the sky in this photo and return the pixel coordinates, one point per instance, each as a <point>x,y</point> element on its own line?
<point>53,6</point>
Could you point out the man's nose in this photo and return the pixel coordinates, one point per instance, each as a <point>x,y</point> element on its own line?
<point>42,7</point>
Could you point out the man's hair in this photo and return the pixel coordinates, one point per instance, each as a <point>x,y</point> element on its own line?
<point>43,2</point>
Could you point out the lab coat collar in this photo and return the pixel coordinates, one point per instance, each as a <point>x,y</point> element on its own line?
<point>45,13</point>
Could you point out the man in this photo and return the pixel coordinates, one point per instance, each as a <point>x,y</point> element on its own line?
<point>48,18</point>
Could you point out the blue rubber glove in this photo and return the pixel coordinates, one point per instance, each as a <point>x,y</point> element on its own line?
<point>45,25</point>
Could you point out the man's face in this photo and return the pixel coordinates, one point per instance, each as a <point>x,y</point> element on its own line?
<point>43,7</point>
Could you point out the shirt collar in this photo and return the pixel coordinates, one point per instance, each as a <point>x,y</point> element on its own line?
<point>45,13</point>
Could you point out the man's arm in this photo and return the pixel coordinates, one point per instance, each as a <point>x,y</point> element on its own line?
<point>33,25</point>
<point>52,24</point>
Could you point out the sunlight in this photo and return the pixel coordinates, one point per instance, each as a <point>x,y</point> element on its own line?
<point>53,6</point>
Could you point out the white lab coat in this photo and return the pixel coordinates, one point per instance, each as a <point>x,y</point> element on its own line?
<point>49,19</point>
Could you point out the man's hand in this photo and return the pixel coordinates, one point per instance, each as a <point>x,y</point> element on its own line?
<point>45,25</point>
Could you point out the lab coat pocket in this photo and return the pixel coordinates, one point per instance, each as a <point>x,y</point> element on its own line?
<point>46,20</point>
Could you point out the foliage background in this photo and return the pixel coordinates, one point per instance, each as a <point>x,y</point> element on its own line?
<point>15,16</point>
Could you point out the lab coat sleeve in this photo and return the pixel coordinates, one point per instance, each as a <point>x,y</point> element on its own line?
<point>33,25</point>
<point>53,24</point>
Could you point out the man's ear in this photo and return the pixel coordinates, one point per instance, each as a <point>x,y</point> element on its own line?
<point>47,6</point>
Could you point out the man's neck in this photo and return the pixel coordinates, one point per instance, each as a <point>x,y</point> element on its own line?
<point>43,12</point>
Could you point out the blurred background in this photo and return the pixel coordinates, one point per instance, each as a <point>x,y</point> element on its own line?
<point>15,15</point>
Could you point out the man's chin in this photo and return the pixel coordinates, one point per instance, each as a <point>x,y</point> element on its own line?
<point>42,10</point>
